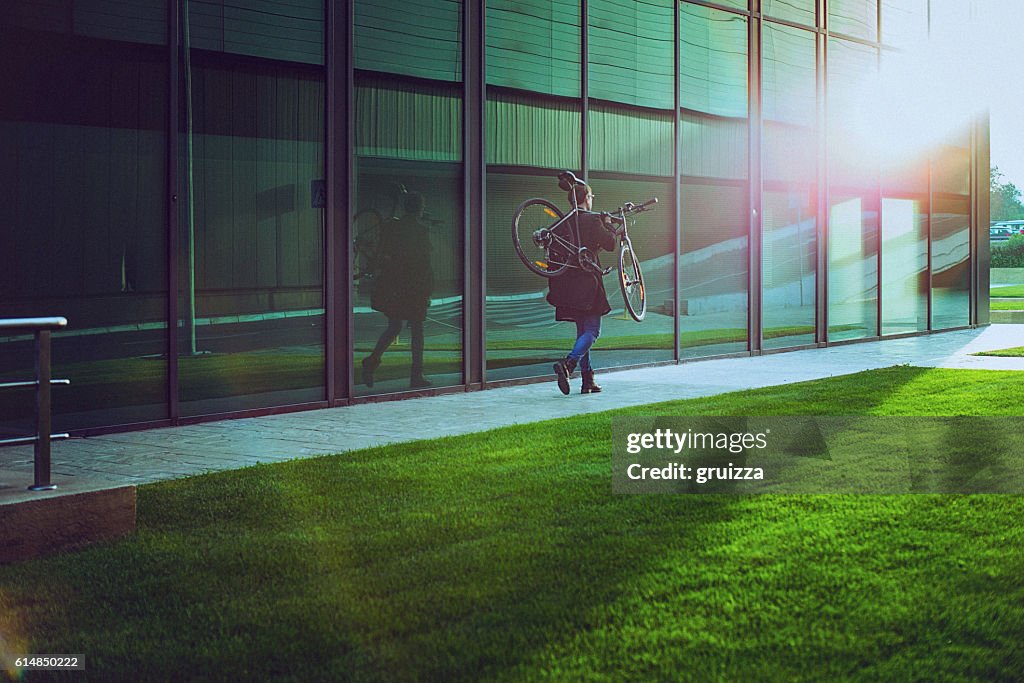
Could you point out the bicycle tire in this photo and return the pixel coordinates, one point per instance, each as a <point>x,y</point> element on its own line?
<point>542,258</point>
<point>631,282</point>
<point>365,241</point>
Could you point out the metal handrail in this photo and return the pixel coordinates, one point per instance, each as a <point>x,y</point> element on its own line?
<point>41,328</point>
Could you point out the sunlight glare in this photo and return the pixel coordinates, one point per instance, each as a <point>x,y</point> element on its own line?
<point>930,92</point>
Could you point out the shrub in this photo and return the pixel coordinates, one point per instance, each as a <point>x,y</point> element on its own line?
<point>1011,255</point>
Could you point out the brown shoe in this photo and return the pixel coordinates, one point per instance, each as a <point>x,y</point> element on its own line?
<point>589,385</point>
<point>563,371</point>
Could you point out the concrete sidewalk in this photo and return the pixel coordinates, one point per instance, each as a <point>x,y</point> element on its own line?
<point>109,461</point>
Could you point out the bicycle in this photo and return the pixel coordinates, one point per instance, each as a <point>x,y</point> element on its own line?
<point>366,233</point>
<point>547,241</point>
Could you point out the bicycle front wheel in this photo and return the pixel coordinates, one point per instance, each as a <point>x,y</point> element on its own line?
<point>542,249</point>
<point>631,280</point>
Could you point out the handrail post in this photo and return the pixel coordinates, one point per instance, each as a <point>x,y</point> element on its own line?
<point>41,329</point>
<point>43,413</point>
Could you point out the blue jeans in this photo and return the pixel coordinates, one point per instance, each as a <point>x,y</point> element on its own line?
<point>588,329</point>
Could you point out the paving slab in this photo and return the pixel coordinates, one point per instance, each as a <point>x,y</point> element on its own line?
<point>156,454</point>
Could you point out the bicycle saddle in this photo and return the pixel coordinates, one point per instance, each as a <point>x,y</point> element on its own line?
<point>567,179</point>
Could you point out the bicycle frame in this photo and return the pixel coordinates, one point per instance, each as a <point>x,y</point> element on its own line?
<point>571,246</point>
<point>575,248</point>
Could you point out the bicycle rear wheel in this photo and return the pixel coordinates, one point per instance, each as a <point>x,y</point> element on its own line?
<point>543,250</point>
<point>631,281</point>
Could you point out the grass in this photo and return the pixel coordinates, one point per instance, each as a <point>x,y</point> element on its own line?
<point>1015,352</point>
<point>1011,291</point>
<point>504,556</point>
<point>999,305</point>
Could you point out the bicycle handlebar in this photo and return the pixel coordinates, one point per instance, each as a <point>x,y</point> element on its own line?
<point>630,207</point>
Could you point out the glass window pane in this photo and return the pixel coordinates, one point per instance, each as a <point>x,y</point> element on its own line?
<point>904,264</point>
<point>951,167</point>
<point>904,22</point>
<point>623,341</point>
<point>291,30</point>
<point>714,249</point>
<point>524,134</point>
<point>131,21</point>
<point>788,77</point>
<point>631,141</point>
<point>526,131</point>
<point>714,268</point>
<point>855,18</point>
<point>853,183</point>
<point>905,209</point>
<point>417,38</point>
<point>251,328</point>
<point>407,306</point>
<point>396,119</point>
<point>789,201</point>
<point>534,45</point>
<point>713,51</point>
<point>523,339</point>
<point>83,182</point>
<point>797,11</point>
<point>951,267</point>
<point>631,55</point>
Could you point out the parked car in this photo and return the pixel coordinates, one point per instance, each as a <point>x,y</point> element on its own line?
<point>1004,230</point>
<point>999,233</point>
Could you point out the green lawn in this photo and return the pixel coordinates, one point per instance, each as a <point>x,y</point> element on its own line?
<point>1001,305</point>
<point>1015,352</point>
<point>1010,291</point>
<point>504,556</point>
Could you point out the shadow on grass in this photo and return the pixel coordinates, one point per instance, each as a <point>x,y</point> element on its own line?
<point>505,554</point>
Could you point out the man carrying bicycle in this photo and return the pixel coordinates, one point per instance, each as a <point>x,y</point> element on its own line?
<point>578,293</point>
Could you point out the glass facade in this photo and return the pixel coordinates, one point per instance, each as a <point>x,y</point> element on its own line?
<point>950,236</point>
<point>168,193</point>
<point>250,242</point>
<point>83,177</point>
<point>407,301</point>
<point>630,147</point>
<point>790,197</point>
<point>714,249</point>
<point>630,51</point>
<point>904,226</point>
<point>853,194</point>
<point>534,128</point>
<point>623,341</point>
